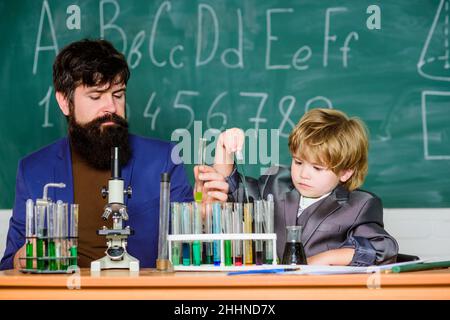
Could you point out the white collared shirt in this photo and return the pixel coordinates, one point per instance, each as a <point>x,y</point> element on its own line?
<point>305,202</point>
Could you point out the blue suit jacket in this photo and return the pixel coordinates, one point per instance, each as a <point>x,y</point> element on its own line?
<point>53,164</point>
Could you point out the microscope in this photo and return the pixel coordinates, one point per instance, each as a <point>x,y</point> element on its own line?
<point>117,256</point>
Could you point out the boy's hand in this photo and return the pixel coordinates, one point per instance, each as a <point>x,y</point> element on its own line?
<point>211,183</point>
<point>336,257</point>
<point>229,142</point>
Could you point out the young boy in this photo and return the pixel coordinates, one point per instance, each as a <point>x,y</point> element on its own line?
<point>342,225</point>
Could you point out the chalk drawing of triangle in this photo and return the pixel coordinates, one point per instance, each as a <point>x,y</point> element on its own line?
<point>434,59</point>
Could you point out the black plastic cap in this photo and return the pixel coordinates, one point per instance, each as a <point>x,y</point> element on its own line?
<point>165,177</point>
<point>115,163</point>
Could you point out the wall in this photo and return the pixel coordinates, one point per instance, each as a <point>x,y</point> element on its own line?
<point>4,224</point>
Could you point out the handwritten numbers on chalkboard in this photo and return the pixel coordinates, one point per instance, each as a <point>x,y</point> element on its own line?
<point>178,105</point>
<point>222,115</point>
<point>263,97</point>
<point>46,102</point>
<point>74,20</point>
<point>286,115</point>
<point>374,20</point>
<point>154,115</point>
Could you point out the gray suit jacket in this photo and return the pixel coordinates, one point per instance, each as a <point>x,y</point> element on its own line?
<point>333,222</point>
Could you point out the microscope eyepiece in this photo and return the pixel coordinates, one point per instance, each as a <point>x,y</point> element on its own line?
<point>115,163</point>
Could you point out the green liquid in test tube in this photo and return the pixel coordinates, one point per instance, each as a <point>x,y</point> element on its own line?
<point>62,243</point>
<point>59,233</point>
<point>51,219</point>
<point>29,232</point>
<point>65,250</point>
<point>52,255</point>
<point>176,229</point>
<point>197,229</point>
<point>228,253</point>
<point>186,229</point>
<point>29,249</point>
<point>40,253</point>
<point>73,234</point>
<point>196,253</point>
<point>41,232</point>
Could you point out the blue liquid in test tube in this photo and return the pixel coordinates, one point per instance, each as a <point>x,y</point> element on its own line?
<point>217,228</point>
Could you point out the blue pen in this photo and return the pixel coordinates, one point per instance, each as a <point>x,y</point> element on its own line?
<point>274,270</point>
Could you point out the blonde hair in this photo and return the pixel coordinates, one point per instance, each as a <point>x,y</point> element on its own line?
<point>330,138</point>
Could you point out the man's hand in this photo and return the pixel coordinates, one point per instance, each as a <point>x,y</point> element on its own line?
<point>211,183</point>
<point>21,253</point>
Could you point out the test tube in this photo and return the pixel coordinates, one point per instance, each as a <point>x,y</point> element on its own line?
<point>41,233</point>
<point>197,229</point>
<point>176,229</point>
<point>51,252</point>
<point>58,232</point>
<point>73,221</point>
<point>201,161</point>
<point>186,229</point>
<point>259,212</point>
<point>269,226</point>
<point>62,234</point>
<point>240,166</point>
<point>217,228</point>
<point>237,228</point>
<point>208,223</point>
<point>29,232</point>
<point>164,207</point>
<point>227,228</point>
<point>248,221</point>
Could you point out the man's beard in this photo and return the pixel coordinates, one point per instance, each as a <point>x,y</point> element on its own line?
<point>93,142</point>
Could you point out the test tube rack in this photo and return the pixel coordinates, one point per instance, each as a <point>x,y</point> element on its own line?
<point>47,264</point>
<point>171,238</point>
<point>51,235</point>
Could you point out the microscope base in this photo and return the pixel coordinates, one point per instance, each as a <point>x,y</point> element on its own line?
<point>128,262</point>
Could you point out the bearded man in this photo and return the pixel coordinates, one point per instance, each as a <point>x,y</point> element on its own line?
<point>90,79</point>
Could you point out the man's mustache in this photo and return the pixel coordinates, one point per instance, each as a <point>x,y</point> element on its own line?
<point>118,120</point>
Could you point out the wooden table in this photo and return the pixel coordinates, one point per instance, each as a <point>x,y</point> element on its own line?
<point>150,284</point>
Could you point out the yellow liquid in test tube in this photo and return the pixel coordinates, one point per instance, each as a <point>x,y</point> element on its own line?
<point>248,252</point>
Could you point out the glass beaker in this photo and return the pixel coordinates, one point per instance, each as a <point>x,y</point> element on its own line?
<point>294,253</point>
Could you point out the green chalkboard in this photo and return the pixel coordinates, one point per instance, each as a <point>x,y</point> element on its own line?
<point>200,65</point>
